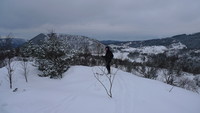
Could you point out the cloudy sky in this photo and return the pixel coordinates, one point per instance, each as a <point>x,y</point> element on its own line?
<point>100,19</point>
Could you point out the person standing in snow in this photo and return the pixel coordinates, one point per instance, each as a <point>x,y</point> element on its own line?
<point>108,58</point>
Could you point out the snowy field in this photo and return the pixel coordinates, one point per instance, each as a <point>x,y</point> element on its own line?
<point>80,92</point>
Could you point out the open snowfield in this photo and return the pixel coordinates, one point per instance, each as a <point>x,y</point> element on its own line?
<point>80,92</point>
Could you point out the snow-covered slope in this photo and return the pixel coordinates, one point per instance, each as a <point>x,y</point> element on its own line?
<point>176,46</point>
<point>122,52</point>
<point>74,42</point>
<point>80,92</point>
<point>148,49</point>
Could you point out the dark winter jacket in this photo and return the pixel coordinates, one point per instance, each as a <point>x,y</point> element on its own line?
<point>109,56</point>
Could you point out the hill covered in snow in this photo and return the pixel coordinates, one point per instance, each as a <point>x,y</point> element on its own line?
<point>125,51</point>
<point>80,92</point>
<point>76,43</point>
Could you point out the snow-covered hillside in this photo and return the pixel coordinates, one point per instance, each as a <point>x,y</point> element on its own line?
<point>73,42</point>
<point>80,92</point>
<point>122,52</point>
<point>148,49</point>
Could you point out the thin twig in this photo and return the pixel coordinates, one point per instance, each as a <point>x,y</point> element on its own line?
<point>171,89</point>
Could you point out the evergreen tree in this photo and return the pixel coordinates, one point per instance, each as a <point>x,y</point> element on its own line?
<point>52,57</point>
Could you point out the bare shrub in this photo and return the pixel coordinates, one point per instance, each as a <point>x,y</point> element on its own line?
<point>169,76</point>
<point>188,84</point>
<point>99,74</point>
<point>148,72</point>
<point>197,80</point>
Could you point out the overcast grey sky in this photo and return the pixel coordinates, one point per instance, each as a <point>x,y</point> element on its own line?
<point>100,19</point>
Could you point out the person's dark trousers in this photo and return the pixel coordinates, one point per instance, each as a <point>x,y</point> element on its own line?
<point>108,66</point>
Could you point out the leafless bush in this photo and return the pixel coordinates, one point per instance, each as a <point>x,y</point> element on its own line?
<point>197,80</point>
<point>169,76</point>
<point>148,72</point>
<point>99,74</point>
<point>188,84</point>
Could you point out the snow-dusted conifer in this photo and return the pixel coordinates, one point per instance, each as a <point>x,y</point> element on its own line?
<point>52,56</point>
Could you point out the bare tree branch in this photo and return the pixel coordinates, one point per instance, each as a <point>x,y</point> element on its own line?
<point>110,78</point>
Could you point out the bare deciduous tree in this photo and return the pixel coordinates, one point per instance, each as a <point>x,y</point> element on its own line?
<point>9,56</point>
<point>10,70</point>
<point>24,65</point>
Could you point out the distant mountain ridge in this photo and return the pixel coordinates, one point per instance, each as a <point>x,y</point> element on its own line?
<point>76,42</point>
<point>15,42</point>
<point>192,41</point>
